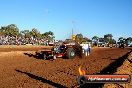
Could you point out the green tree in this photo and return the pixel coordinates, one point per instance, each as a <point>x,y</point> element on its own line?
<point>121,40</point>
<point>35,33</point>
<point>12,30</point>
<point>95,40</point>
<point>113,41</point>
<point>2,30</point>
<point>85,39</point>
<point>26,33</point>
<point>79,38</point>
<point>48,36</point>
<point>108,38</point>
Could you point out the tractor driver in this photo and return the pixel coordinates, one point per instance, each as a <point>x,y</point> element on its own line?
<point>62,47</point>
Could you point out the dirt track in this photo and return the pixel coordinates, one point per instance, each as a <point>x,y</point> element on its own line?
<point>19,70</point>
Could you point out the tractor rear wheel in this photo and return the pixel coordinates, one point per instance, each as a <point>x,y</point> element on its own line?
<point>70,53</point>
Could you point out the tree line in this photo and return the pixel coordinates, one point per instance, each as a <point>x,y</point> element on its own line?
<point>108,39</point>
<point>13,31</point>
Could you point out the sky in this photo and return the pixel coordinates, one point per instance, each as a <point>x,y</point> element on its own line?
<point>89,17</point>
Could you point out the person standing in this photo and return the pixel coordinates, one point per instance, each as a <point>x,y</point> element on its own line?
<point>89,46</point>
<point>85,48</point>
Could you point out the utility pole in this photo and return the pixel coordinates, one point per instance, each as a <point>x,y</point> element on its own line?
<point>73,28</point>
<point>72,31</point>
<point>73,36</point>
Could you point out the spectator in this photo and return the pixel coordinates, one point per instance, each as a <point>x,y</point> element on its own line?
<point>89,45</point>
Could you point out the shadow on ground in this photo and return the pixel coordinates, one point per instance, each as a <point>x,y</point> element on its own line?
<point>108,70</point>
<point>36,55</point>
<point>56,85</point>
<point>40,56</point>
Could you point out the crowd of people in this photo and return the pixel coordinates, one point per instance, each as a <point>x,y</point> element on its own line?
<point>7,40</point>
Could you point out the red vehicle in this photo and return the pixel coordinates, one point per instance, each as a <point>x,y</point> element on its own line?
<point>61,51</point>
<point>64,51</point>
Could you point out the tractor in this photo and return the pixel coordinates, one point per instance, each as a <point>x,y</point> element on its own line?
<point>64,50</point>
